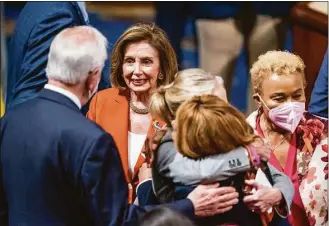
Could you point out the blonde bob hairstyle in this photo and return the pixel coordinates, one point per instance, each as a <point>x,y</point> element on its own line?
<point>282,63</point>
<point>187,83</point>
<point>207,125</point>
<point>157,38</point>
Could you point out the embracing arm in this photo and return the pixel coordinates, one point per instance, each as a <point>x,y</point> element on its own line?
<point>170,166</point>
<point>205,200</point>
<point>284,184</point>
<point>215,167</point>
<point>209,169</point>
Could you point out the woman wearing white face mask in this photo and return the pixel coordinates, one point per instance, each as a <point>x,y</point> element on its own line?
<point>298,139</point>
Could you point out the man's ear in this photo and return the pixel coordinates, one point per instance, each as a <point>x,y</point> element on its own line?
<point>92,80</point>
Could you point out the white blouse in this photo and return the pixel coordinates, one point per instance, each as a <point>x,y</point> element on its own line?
<point>135,145</point>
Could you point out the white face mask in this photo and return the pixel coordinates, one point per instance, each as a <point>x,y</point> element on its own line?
<point>286,115</point>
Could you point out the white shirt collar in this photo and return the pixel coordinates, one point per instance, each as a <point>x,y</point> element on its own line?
<point>66,93</point>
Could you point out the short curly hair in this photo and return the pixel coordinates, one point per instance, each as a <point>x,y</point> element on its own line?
<point>275,62</point>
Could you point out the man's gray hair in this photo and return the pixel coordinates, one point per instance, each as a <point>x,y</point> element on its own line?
<point>74,53</point>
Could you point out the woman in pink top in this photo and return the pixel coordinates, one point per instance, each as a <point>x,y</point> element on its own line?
<point>297,138</point>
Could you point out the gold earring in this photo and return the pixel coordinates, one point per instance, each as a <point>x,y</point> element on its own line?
<point>160,76</point>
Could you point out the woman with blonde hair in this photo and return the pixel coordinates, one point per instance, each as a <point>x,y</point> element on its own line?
<point>187,83</point>
<point>298,139</point>
<point>170,167</point>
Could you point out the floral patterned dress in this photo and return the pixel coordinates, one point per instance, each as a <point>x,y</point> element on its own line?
<point>307,167</point>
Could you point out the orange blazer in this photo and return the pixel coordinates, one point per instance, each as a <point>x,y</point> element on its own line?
<point>109,109</point>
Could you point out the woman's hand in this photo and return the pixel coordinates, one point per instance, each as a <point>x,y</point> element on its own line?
<point>262,148</point>
<point>144,173</point>
<point>263,199</point>
<point>151,145</point>
<point>209,200</point>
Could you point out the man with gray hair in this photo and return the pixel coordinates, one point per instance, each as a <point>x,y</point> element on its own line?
<point>59,168</point>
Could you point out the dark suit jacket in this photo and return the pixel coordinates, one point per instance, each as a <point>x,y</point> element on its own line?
<point>319,99</point>
<point>58,168</point>
<point>36,27</point>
